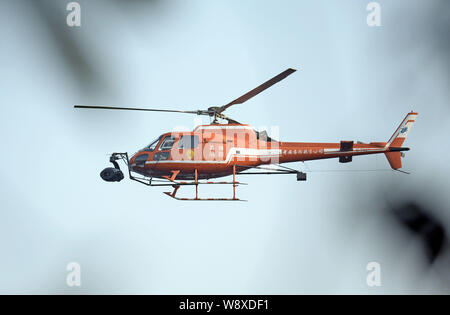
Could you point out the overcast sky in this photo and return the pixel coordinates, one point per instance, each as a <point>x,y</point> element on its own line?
<point>354,82</point>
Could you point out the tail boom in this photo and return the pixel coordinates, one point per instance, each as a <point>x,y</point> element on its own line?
<point>345,150</point>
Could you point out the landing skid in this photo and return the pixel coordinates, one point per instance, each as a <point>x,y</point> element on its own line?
<point>176,185</point>
<point>171,181</point>
<point>203,199</point>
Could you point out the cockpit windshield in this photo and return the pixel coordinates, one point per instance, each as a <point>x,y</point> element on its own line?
<point>152,145</point>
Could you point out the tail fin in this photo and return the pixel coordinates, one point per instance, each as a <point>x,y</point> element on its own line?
<point>400,134</point>
<point>397,139</point>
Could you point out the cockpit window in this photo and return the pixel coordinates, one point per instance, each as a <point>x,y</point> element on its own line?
<point>188,142</point>
<point>167,143</point>
<point>152,145</point>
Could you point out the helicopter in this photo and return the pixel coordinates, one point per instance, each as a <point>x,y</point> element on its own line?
<point>227,147</point>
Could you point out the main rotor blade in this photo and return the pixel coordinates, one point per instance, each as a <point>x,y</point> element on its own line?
<point>199,112</point>
<point>258,89</point>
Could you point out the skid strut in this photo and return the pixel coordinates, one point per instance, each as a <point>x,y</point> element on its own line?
<point>176,185</point>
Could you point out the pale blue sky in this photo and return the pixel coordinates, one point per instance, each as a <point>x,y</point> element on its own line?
<point>354,83</point>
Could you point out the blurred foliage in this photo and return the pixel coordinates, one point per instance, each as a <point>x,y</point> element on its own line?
<point>82,66</point>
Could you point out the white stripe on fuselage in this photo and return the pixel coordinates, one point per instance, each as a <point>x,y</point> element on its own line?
<point>243,153</point>
<point>223,127</point>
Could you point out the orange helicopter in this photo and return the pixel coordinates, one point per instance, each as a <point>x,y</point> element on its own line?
<point>221,149</point>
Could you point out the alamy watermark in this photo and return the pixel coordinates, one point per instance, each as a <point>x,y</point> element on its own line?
<point>74,16</point>
<point>374,16</point>
<point>73,278</point>
<point>373,278</point>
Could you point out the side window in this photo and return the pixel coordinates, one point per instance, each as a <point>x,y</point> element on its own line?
<point>188,142</point>
<point>167,143</point>
<point>141,159</point>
